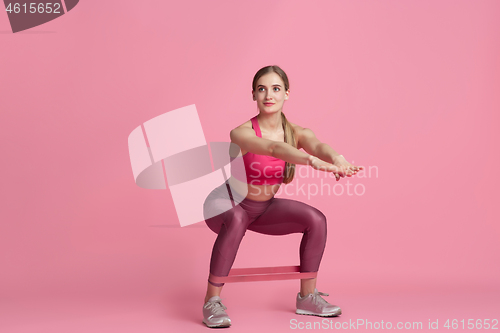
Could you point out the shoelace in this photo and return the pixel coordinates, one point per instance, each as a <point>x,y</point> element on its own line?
<point>318,299</point>
<point>216,307</point>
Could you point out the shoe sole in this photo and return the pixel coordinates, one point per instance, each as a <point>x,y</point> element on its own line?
<point>310,313</point>
<point>225,323</point>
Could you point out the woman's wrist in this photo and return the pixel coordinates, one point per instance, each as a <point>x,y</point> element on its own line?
<point>311,159</point>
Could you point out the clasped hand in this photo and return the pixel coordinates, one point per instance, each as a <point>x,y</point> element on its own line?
<point>340,166</point>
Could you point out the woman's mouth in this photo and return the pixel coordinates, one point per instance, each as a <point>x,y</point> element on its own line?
<point>268,104</point>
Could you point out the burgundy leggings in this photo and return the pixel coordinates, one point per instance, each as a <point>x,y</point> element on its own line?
<point>277,216</point>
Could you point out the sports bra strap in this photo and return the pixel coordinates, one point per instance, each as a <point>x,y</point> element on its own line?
<point>256,127</point>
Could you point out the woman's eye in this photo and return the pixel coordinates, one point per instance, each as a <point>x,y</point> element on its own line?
<point>277,88</point>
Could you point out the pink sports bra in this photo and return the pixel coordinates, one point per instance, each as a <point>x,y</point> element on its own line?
<point>262,169</point>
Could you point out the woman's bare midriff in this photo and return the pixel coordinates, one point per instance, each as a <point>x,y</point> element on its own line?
<point>254,192</point>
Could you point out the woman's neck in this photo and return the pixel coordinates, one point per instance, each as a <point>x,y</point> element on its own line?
<point>272,123</point>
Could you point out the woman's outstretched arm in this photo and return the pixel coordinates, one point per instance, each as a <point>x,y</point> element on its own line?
<point>311,144</point>
<point>246,139</point>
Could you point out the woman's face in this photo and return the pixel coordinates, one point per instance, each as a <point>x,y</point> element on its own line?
<point>270,93</point>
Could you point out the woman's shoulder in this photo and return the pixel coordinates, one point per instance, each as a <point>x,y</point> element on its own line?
<point>246,124</point>
<point>296,128</point>
<point>235,133</point>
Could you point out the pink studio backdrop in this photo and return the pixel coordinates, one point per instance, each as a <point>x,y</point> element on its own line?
<point>409,88</point>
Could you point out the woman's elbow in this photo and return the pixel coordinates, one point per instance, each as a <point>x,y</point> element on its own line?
<point>275,148</point>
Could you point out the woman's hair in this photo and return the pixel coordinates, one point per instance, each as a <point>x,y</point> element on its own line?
<point>287,127</point>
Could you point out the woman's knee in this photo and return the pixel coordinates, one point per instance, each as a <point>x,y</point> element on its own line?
<point>318,220</point>
<point>236,219</point>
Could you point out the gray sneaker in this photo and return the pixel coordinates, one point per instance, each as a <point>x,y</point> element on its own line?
<point>214,314</point>
<point>315,305</point>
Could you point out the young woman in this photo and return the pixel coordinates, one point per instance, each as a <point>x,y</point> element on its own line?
<point>270,146</point>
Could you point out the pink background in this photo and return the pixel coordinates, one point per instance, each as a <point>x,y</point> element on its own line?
<point>409,87</point>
